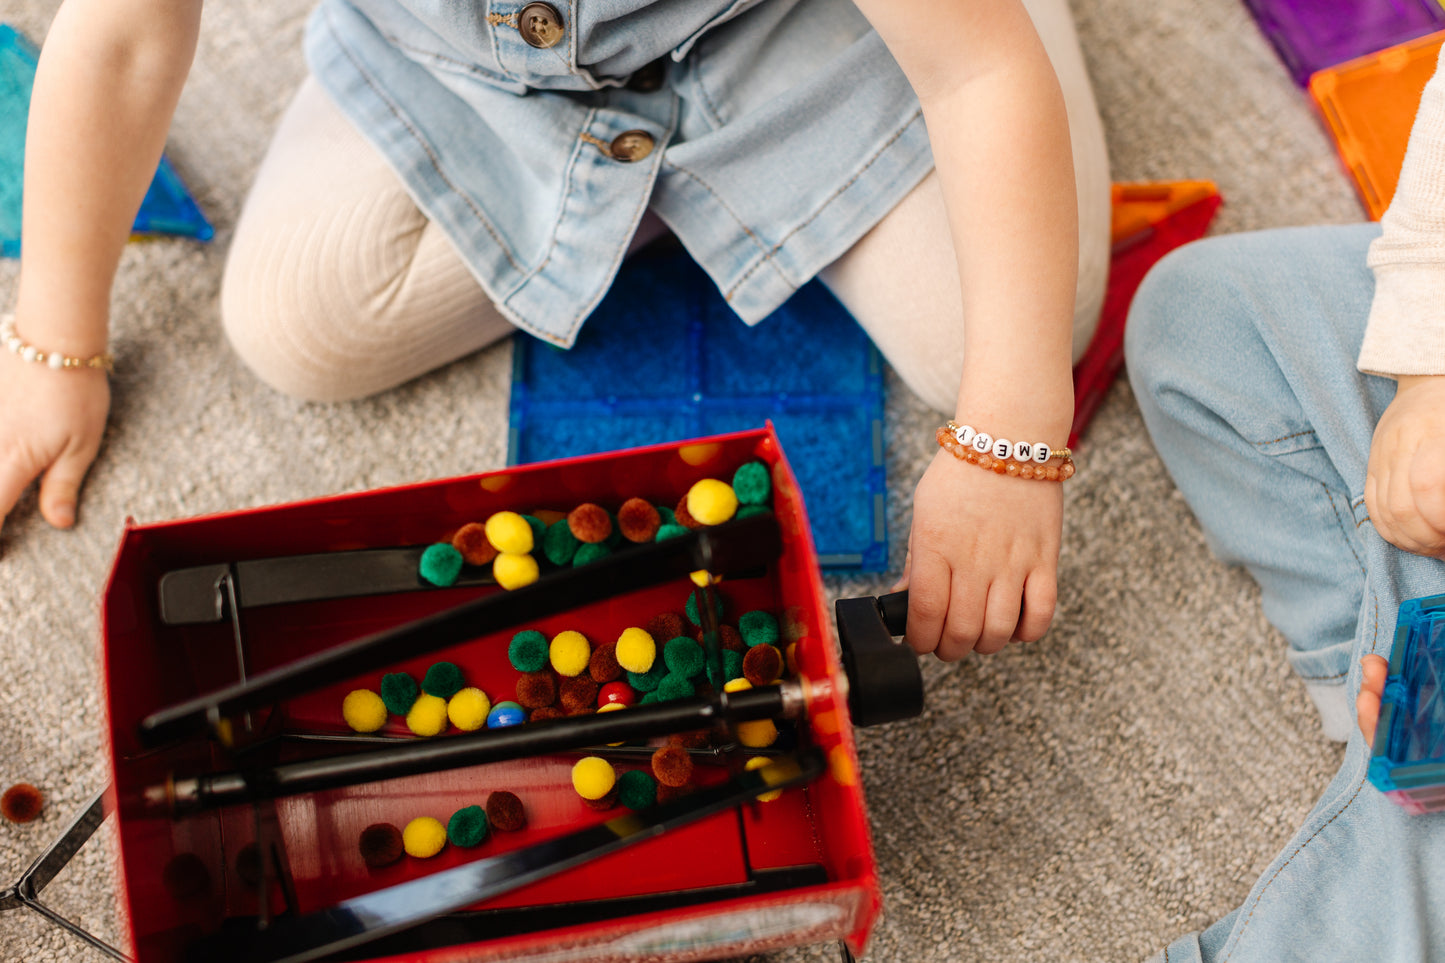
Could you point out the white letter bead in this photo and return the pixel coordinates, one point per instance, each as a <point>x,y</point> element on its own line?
<point>1002,448</point>
<point>964,434</point>
<point>1041,452</point>
<point>982,442</point>
<point>1023,451</point>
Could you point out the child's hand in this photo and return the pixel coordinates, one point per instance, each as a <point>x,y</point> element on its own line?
<point>51,423</point>
<point>1405,480</point>
<point>1373,669</point>
<point>983,556</point>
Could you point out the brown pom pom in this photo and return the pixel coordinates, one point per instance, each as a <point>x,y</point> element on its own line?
<point>21,803</point>
<point>248,864</point>
<point>672,766</point>
<point>664,626</point>
<point>667,793</point>
<point>638,520</point>
<point>696,739</point>
<point>471,541</point>
<point>762,665</point>
<point>731,638</point>
<point>607,802</point>
<point>579,695</point>
<point>604,668</point>
<point>546,712</point>
<point>684,517</point>
<point>535,690</point>
<point>186,877</point>
<point>589,523</point>
<point>380,845</point>
<point>505,812</point>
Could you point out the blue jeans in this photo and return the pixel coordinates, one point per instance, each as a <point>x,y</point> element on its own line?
<point>1241,350</point>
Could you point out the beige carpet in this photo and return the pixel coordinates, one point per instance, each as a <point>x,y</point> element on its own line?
<point>1090,797</point>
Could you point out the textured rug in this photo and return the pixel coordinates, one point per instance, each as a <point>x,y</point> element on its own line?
<point>1090,797</point>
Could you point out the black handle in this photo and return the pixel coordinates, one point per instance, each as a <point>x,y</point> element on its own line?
<point>884,681</point>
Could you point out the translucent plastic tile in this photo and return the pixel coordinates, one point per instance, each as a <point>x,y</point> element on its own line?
<point>1408,760</point>
<point>1310,35</point>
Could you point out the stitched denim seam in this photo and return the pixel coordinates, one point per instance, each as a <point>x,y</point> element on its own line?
<point>767,255</point>
<point>426,148</point>
<point>1275,441</point>
<point>1243,926</point>
<point>728,295</point>
<point>1344,532</point>
<point>460,66</point>
<point>568,186</point>
<point>1375,632</point>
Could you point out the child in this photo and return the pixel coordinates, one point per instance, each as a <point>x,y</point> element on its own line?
<point>1327,481</point>
<point>454,170</point>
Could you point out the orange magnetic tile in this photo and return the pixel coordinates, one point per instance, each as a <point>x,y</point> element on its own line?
<point>1137,207</point>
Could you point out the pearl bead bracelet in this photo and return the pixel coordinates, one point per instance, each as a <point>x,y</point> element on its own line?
<point>52,359</point>
<point>1015,459</point>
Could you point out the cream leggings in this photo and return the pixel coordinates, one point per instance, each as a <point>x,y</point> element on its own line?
<point>337,286</point>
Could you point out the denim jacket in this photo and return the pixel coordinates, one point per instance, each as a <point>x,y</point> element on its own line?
<point>768,135</point>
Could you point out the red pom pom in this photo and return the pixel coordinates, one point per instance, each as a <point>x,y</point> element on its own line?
<point>21,803</point>
<point>536,690</point>
<point>638,520</point>
<point>471,541</point>
<point>607,802</point>
<point>664,626</point>
<point>589,523</point>
<point>505,812</point>
<point>684,517</point>
<point>603,667</point>
<point>696,739</point>
<point>546,712</point>
<point>579,694</point>
<point>762,665</point>
<point>380,845</point>
<point>731,638</point>
<point>672,766</point>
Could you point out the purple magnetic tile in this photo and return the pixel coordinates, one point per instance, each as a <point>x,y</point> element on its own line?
<point>1310,35</point>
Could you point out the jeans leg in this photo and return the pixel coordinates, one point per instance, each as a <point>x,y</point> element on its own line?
<point>1241,350</point>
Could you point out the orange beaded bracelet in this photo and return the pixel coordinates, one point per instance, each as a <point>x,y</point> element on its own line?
<point>949,442</point>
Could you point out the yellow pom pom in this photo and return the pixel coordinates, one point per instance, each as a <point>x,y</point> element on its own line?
<point>424,837</point>
<point>703,578</point>
<point>570,652</point>
<point>790,658</point>
<point>428,715</point>
<point>468,709</point>
<point>712,502</point>
<point>757,734</point>
<point>514,571</point>
<point>363,710</point>
<point>636,650</point>
<point>510,533</point>
<point>758,762</point>
<point>593,777</point>
<point>612,707</point>
<point>737,685</point>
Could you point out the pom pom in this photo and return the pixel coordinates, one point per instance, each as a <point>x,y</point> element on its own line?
<point>790,658</point>
<point>590,523</point>
<point>691,609</point>
<point>363,710</point>
<point>248,864</point>
<point>636,789</point>
<point>638,520</point>
<point>505,714</point>
<point>758,762</point>
<point>539,528</point>
<point>505,812</point>
<point>670,531</point>
<point>570,653</point>
<point>758,733</point>
<point>731,639</point>
<point>683,657</point>
<point>21,803</point>
<point>545,713</point>
<point>636,650</point>
<point>467,827</point>
<point>696,739</point>
<point>758,628</point>
<point>440,564</point>
<point>748,511</point>
<point>603,666</point>
<point>528,651</point>
<point>711,501</point>
<point>665,625</point>
<point>559,544</point>
<point>733,665</point>
<point>443,680</point>
<point>536,689</point>
<point>752,484</point>
<point>428,716</point>
<point>668,516</point>
<point>510,533</point>
<point>683,517</point>
<point>515,571</point>
<point>468,709</point>
<point>424,837</point>
<point>589,552</point>
<point>649,680</point>
<point>672,765</point>
<point>763,665</point>
<point>593,777</point>
<point>399,692</point>
<point>471,541</point>
<point>607,802</point>
<point>185,876</point>
<point>648,698</point>
<point>380,845</point>
<point>616,693</point>
<point>577,695</point>
<point>674,685</point>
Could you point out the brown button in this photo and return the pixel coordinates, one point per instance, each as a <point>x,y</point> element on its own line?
<point>649,78</point>
<point>632,145</point>
<point>540,25</point>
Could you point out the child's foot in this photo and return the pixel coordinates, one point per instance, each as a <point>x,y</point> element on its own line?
<point>1373,669</point>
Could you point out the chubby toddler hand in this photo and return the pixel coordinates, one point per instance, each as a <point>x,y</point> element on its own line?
<point>1405,480</point>
<point>1373,670</point>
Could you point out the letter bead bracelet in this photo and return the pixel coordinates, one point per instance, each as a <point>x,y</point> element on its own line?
<point>56,361</point>
<point>1017,459</point>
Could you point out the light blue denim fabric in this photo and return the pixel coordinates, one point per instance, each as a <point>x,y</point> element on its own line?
<point>784,131</point>
<point>1242,354</point>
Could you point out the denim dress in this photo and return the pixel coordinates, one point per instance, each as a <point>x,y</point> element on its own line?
<point>768,135</point>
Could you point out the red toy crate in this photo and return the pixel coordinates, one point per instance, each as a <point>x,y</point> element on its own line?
<point>756,877</point>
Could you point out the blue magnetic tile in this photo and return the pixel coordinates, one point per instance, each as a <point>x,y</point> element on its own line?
<point>663,359</point>
<point>1409,750</point>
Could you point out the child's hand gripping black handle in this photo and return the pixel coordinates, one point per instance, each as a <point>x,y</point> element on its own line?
<point>884,681</point>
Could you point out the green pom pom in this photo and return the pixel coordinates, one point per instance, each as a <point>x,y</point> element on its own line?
<point>467,827</point>
<point>668,516</point>
<point>648,681</point>
<point>758,628</point>
<point>692,608</point>
<point>559,544</point>
<point>752,484</point>
<point>539,528</point>
<point>669,530</point>
<point>636,789</point>
<point>528,651</point>
<point>732,664</point>
<point>614,538</point>
<point>648,698</point>
<point>399,692</point>
<point>443,680</point>
<point>675,686</point>
<point>683,656</point>
<point>440,564</point>
<point>591,552</point>
<point>748,511</point>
